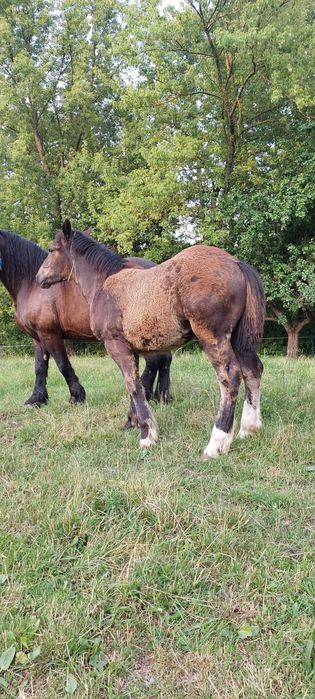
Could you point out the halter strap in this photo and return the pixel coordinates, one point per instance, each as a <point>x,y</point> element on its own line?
<point>71,270</point>
<point>73,264</point>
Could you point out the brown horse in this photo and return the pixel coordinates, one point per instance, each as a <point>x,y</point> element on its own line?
<point>62,313</point>
<point>203,291</point>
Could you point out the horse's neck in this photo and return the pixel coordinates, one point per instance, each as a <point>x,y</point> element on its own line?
<point>87,278</point>
<point>14,286</point>
<point>8,285</point>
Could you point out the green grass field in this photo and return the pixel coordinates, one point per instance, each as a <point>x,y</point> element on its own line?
<point>139,574</point>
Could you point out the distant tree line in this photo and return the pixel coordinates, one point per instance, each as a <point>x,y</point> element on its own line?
<point>156,127</point>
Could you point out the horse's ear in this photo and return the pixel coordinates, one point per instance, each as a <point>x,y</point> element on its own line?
<point>88,232</point>
<point>66,229</point>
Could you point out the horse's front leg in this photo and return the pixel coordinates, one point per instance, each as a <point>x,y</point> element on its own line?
<point>39,396</point>
<point>132,420</point>
<point>121,352</point>
<point>57,350</point>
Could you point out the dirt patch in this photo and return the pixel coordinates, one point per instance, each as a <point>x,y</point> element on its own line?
<point>145,669</point>
<point>14,424</point>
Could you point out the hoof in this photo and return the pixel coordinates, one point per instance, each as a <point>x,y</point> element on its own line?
<point>29,406</point>
<point>220,443</point>
<point>152,435</point>
<point>132,423</point>
<point>33,403</point>
<point>147,442</point>
<point>249,431</point>
<point>78,397</point>
<point>207,455</point>
<point>250,421</point>
<point>163,398</point>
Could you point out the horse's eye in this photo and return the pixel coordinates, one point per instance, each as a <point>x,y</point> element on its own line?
<point>53,249</point>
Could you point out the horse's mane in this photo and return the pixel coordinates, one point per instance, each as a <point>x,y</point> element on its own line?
<point>22,258</point>
<point>103,259</point>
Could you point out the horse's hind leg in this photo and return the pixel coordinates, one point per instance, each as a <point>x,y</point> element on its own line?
<point>57,350</point>
<point>162,391</point>
<point>223,359</point>
<point>148,375</point>
<point>251,368</point>
<point>39,395</point>
<point>122,354</point>
<point>157,365</point>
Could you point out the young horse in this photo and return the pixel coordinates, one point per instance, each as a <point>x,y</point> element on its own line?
<point>204,292</point>
<point>49,317</point>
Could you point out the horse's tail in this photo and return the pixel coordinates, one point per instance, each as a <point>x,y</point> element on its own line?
<point>249,330</point>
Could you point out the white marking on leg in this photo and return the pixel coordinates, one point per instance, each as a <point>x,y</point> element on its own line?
<point>250,420</point>
<point>220,443</point>
<point>152,435</point>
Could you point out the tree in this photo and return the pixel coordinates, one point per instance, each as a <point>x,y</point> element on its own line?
<point>58,92</point>
<point>210,73</point>
<point>272,216</point>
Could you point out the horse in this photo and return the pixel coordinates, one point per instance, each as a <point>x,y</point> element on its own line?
<point>58,315</point>
<point>205,293</point>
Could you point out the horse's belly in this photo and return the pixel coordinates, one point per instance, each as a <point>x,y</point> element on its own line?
<point>152,333</point>
<point>148,309</point>
<point>77,329</point>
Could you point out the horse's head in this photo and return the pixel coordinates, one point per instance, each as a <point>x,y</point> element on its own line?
<point>58,266</point>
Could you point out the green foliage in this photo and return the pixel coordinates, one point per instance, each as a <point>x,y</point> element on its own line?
<point>158,127</point>
<point>7,658</point>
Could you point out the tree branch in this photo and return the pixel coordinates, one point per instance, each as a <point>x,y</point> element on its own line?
<point>78,141</point>
<point>197,92</point>
<point>241,89</point>
<point>302,323</point>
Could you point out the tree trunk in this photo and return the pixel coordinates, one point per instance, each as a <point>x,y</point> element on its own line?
<point>293,331</point>
<point>293,337</point>
<point>293,342</point>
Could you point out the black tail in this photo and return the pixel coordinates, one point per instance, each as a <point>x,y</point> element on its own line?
<point>249,330</point>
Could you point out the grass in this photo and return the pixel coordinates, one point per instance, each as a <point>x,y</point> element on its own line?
<point>152,574</point>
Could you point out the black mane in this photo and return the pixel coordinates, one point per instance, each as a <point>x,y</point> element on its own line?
<point>100,257</point>
<point>21,259</point>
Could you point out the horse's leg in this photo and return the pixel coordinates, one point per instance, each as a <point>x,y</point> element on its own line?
<point>162,391</point>
<point>220,353</point>
<point>132,420</point>
<point>39,395</point>
<point>122,354</point>
<point>251,368</point>
<point>56,348</point>
<point>148,375</point>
